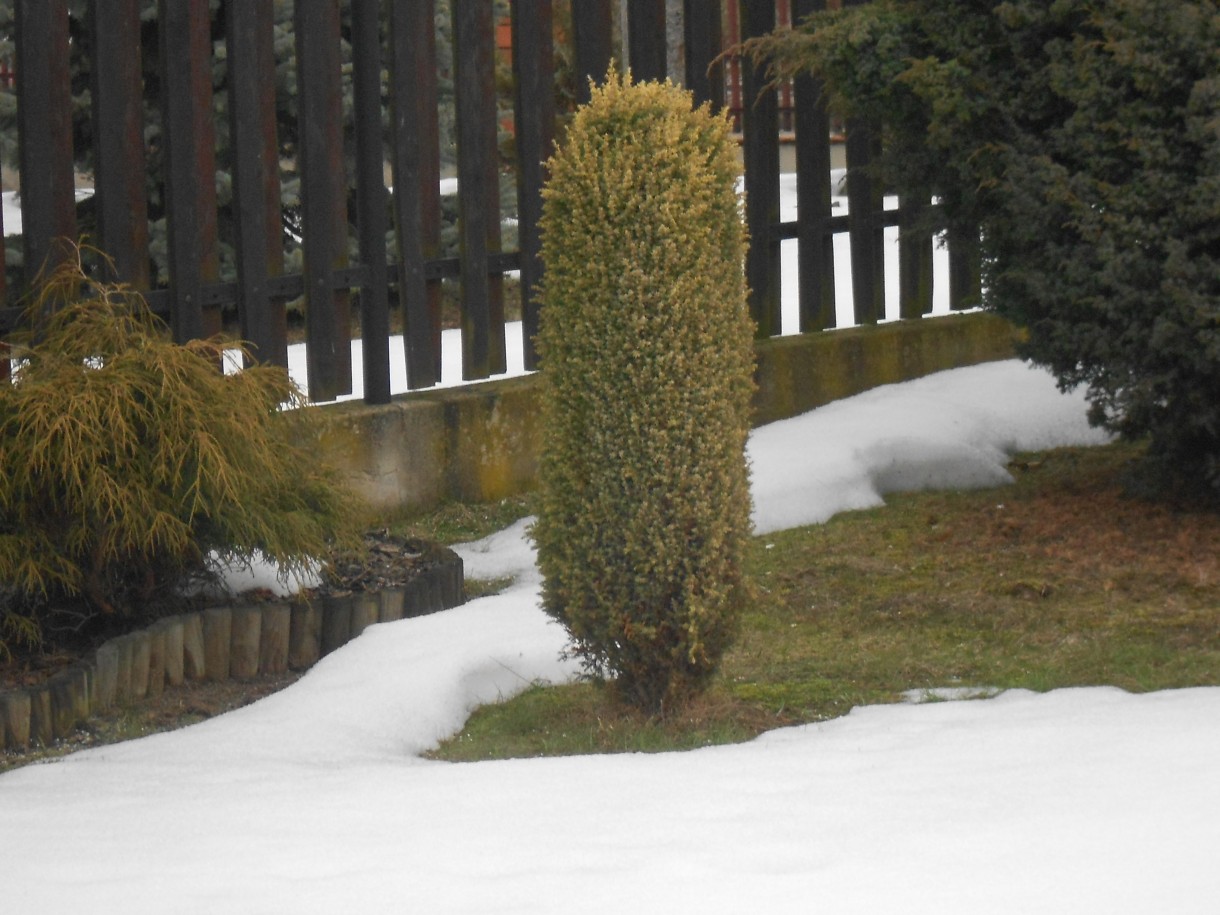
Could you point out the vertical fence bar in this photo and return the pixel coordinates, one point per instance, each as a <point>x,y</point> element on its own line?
<point>483,350</point>
<point>44,124</point>
<point>190,159</point>
<point>965,269</point>
<point>591,34</point>
<point>915,279</point>
<point>323,197</point>
<point>258,244</point>
<point>534,110</point>
<point>118,118</point>
<point>760,147</point>
<point>416,171</point>
<point>371,199</point>
<point>815,252</point>
<point>647,47</point>
<point>863,201</point>
<point>703,33</point>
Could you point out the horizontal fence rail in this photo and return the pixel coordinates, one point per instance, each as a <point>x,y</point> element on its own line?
<point>246,165</point>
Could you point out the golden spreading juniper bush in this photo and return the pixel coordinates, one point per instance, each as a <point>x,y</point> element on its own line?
<point>647,354</point>
<point>128,458</point>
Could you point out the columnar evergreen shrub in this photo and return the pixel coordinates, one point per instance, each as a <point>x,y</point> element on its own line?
<point>128,458</point>
<point>647,358</point>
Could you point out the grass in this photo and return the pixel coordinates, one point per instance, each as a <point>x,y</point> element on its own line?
<point>1059,580</point>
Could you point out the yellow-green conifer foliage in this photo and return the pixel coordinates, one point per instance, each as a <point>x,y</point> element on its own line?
<point>647,355</point>
<point>127,458</point>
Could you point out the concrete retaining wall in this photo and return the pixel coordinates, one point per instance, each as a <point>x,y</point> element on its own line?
<point>481,442</point>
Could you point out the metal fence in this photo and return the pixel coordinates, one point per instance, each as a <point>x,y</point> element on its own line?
<point>382,54</point>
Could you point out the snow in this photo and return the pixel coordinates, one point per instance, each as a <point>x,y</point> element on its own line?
<point>316,799</point>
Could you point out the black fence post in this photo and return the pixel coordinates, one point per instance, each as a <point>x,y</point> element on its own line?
<point>702,24</point>
<point>592,26</point>
<point>915,278</point>
<point>647,46</point>
<point>760,147</point>
<point>258,239</point>
<point>323,197</point>
<point>815,252</point>
<point>119,162</point>
<point>483,350</point>
<point>416,171</point>
<point>965,269</point>
<point>534,111</point>
<point>371,200</point>
<point>864,203</point>
<point>44,124</point>
<point>190,159</point>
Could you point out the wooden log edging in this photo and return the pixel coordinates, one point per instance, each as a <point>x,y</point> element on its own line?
<point>239,641</point>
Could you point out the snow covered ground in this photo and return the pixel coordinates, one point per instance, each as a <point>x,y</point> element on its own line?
<point>316,799</point>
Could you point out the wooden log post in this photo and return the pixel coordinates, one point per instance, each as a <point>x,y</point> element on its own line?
<point>173,629</point>
<point>391,604</point>
<point>336,623</point>
<point>156,662</point>
<point>122,676</point>
<point>194,658</point>
<point>141,655</point>
<point>69,692</point>
<point>217,640</point>
<point>245,642</point>
<point>366,610</point>
<point>453,587</point>
<point>41,732</point>
<point>274,639</point>
<point>304,635</point>
<point>105,681</point>
<point>14,720</point>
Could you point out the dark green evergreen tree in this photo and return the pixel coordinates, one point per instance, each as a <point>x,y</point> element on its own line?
<point>1083,138</point>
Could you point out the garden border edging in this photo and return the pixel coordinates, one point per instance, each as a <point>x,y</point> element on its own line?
<point>237,641</point>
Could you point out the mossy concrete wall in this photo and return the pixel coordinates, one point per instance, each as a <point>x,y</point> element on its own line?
<point>481,442</point>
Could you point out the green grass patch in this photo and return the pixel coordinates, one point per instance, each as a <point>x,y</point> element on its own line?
<point>458,522</point>
<point>1058,580</point>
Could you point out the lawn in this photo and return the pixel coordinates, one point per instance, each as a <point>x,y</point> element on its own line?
<point>1059,580</point>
